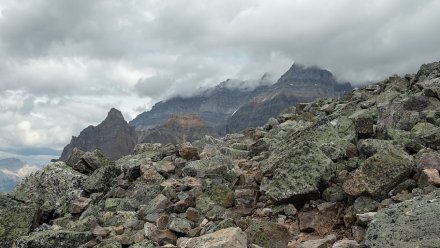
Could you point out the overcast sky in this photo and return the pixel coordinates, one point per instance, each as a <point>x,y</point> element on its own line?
<point>64,64</point>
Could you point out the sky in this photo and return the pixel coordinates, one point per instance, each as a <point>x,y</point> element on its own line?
<point>65,63</point>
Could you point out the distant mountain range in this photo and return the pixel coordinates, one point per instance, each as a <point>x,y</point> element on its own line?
<point>11,172</point>
<point>231,106</point>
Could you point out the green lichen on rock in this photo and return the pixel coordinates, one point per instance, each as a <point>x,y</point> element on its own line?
<point>53,187</point>
<point>380,173</point>
<point>267,234</point>
<point>54,238</point>
<point>222,195</point>
<point>16,219</point>
<point>413,223</point>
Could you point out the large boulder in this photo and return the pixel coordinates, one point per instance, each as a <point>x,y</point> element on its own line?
<point>413,223</point>
<point>379,173</point>
<point>53,187</point>
<point>298,166</point>
<point>54,238</point>
<point>216,166</point>
<point>16,219</point>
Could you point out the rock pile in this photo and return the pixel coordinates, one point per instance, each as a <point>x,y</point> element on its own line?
<point>361,170</point>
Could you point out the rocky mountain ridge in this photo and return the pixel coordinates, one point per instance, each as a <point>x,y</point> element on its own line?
<point>361,170</point>
<point>229,107</point>
<point>114,137</point>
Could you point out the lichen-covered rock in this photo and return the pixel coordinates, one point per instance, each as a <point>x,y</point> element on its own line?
<point>379,173</point>
<point>222,195</point>
<point>232,237</point>
<point>100,179</point>
<point>298,169</point>
<point>54,238</point>
<point>216,166</point>
<point>16,219</point>
<point>267,234</point>
<point>53,187</point>
<point>413,223</point>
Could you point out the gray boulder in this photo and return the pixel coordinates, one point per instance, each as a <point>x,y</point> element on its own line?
<point>413,223</point>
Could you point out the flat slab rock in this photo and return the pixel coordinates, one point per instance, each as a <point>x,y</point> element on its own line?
<point>413,223</point>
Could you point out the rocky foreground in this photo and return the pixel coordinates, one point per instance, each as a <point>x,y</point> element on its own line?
<point>361,170</point>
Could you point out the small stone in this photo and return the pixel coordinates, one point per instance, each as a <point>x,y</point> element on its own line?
<point>265,212</point>
<point>346,243</point>
<point>319,243</point>
<point>365,218</point>
<point>189,153</point>
<point>79,205</point>
<point>192,214</point>
<point>101,232</point>
<point>358,233</point>
<point>160,236</point>
<point>124,240</point>
<point>162,221</point>
<point>180,225</point>
<point>119,229</point>
<point>429,176</point>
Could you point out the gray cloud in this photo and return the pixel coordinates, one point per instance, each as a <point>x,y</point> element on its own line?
<point>65,63</point>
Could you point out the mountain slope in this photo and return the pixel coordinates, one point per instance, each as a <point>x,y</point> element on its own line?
<point>114,137</point>
<point>299,84</point>
<point>214,105</point>
<point>177,129</point>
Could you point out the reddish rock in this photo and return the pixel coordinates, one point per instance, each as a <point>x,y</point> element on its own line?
<point>429,176</point>
<point>320,220</point>
<point>119,230</point>
<point>364,127</point>
<point>189,153</point>
<point>101,232</point>
<point>79,205</point>
<point>159,235</point>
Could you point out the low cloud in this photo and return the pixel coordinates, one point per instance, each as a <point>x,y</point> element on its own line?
<point>66,63</point>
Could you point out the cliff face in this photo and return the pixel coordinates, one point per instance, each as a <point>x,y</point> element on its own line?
<point>114,137</point>
<point>214,106</point>
<point>177,129</point>
<point>298,84</point>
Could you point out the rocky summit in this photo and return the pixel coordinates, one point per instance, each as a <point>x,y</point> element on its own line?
<point>359,170</point>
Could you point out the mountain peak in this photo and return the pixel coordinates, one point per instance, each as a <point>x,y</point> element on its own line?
<point>299,73</point>
<point>114,114</point>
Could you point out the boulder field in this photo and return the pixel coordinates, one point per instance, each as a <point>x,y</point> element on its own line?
<point>360,170</point>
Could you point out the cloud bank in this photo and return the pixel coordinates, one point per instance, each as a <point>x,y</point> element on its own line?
<point>65,63</point>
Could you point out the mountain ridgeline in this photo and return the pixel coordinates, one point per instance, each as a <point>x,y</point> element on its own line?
<point>226,108</point>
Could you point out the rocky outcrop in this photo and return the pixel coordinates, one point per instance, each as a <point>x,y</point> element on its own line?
<point>177,129</point>
<point>114,137</point>
<point>359,170</point>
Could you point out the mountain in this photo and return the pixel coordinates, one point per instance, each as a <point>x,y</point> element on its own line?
<point>11,164</point>
<point>177,129</point>
<point>231,106</point>
<point>299,84</point>
<point>359,170</point>
<point>214,105</point>
<point>8,181</point>
<point>114,137</point>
